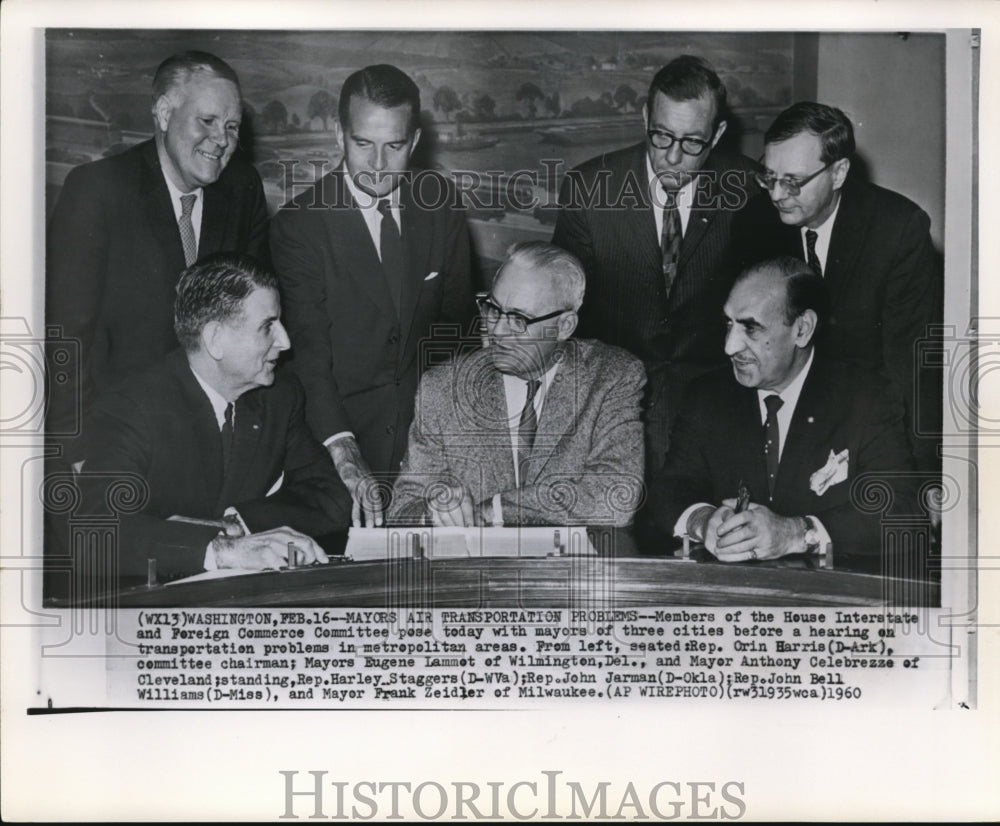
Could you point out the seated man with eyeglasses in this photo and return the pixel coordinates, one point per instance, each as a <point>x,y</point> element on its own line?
<point>871,245</point>
<point>536,428</point>
<point>652,225</point>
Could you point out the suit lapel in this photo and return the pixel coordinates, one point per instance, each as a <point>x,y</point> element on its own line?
<point>560,412</point>
<point>847,240</point>
<point>417,230</point>
<point>214,216</point>
<point>247,428</point>
<point>160,218</point>
<point>205,431</point>
<point>637,222</point>
<point>498,455</point>
<point>814,416</point>
<point>704,191</point>
<point>352,242</point>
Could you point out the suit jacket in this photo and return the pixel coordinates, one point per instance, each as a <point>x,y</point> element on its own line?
<point>719,439</point>
<point>680,335</point>
<point>358,360</point>
<point>585,466</point>
<point>885,286</point>
<point>114,254</point>
<point>161,427</point>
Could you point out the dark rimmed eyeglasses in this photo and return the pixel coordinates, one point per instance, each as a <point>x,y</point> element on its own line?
<point>518,322</point>
<point>792,186</point>
<point>664,140</point>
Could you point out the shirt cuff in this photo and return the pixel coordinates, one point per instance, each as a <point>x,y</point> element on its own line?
<point>680,526</point>
<point>336,437</point>
<point>210,563</point>
<point>824,536</point>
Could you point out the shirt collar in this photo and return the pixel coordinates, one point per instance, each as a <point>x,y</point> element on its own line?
<point>790,395</point>
<point>218,402</point>
<point>365,200</point>
<point>175,193</point>
<point>826,227</point>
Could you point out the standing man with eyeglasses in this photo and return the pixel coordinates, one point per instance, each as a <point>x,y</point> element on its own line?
<point>871,245</point>
<point>537,428</point>
<point>370,259</point>
<point>652,226</point>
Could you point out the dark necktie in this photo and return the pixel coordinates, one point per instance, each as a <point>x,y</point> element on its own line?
<point>528,424</point>
<point>391,250</point>
<point>772,441</point>
<point>811,258</point>
<point>670,243</point>
<point>227,436</point>
<point>187,229</point>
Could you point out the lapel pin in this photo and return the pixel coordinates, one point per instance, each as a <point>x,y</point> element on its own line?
<point>257,426</point>
<point>811,420</point>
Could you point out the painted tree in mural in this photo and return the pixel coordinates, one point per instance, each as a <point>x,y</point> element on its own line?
<point>529,94</point>
<point>625,98</point>
<point>321,105</point>
<point>446,101</point>
<point>275,117</point>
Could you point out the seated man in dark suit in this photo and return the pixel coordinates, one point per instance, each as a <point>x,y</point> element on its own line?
<point>124,227</point>
<point>796,430</point>
<point>207,432</point>
<point>534,429</point>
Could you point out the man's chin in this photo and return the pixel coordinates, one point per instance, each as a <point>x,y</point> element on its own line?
<point>746,376</point>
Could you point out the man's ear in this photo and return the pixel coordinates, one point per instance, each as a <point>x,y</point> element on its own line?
<point>720,130</point>
<point>212,339</point>
<point>162,109</point>
<point>805,328</point>
<point>567,324</point>
<point>840,170</point>
<point>416,140</point>
<point>645,116</point>
<point>339,136</point>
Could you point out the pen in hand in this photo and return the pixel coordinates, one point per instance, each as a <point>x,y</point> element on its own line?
<point>742,498</point>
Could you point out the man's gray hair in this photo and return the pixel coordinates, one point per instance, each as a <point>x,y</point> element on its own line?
<point>563,267</point>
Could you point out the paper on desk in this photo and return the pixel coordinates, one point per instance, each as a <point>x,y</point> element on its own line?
<point>368,544</point>
<point>219,573</point>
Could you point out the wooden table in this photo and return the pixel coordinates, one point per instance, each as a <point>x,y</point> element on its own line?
<point>557,582</point>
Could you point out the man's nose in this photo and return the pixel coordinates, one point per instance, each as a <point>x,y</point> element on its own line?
<point>281,339</point>
<point>379,162</point>
<point>674,154</point>
<point>734,341</point>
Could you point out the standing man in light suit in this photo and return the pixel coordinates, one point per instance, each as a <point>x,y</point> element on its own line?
<point>537,428</point>
<point>370,259</point>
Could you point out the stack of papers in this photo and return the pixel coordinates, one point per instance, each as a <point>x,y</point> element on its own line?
<point>368,544</point>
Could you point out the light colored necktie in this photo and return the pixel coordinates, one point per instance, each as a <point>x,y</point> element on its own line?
<point>187,229</point>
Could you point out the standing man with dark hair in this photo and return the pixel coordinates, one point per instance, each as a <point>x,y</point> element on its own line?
<point>124,228</point>
<point>871,245</point>
<point>799,432</point>
<point>211,432</point>
<point>370,258</point>
<point>652,226</point>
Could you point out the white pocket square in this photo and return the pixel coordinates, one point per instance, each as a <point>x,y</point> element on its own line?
<point>832,473</point>
<point>432,276</point>
<point>277,485</point>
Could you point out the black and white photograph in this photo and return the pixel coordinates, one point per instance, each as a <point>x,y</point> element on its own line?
<point>360,369</point>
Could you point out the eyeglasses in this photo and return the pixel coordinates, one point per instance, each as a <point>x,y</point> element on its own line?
<point>792,186</point>
<point>518,322</point>
<point>664,140</point>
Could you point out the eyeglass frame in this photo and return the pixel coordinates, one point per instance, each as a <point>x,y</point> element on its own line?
<point>791,187</point>
<point>705,145</point>
<point>522,320</point>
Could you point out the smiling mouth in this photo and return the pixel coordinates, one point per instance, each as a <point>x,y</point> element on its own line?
<point>207,155</point>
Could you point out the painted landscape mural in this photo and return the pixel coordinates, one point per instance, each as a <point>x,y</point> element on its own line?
<point>518,108</point>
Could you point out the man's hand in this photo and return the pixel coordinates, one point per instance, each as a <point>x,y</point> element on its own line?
<point>758,533</point>
<point>366,507</point>
<point>450,506</point>
<point>260,551</point>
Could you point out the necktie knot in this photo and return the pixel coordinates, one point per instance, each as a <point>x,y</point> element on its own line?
<point>773,404</point>
<point>227,434</point>
<point>187,204</point>
<point>385,209</point>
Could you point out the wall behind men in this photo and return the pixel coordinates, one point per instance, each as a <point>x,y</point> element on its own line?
<point>892,86</point>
